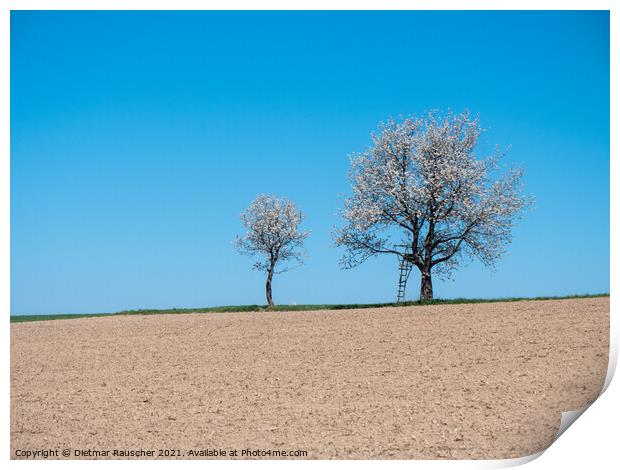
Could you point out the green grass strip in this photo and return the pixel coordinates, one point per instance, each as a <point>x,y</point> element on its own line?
<point>289,308</point>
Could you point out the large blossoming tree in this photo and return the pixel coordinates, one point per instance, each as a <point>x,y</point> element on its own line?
<point>420,192</point>
<point>273,234</point>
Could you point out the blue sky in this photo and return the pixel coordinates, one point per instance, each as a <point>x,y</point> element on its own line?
<point>137,138</point>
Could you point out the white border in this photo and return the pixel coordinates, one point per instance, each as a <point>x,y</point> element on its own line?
<point>588,443</point>
<point>308,5</point>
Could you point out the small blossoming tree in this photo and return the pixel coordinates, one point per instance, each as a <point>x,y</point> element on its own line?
<point>420,192</point>
<point>273,234</point>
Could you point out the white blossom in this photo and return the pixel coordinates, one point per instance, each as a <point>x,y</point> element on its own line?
<point>421,185</point>
<point>272,233</point>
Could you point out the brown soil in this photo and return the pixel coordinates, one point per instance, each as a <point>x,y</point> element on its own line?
<point>455,381</point>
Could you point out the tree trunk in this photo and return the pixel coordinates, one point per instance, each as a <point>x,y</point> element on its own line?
<point>268,287</point>
<point>426,286</point>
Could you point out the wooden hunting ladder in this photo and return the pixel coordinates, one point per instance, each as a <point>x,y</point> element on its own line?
<point>406,265</point>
